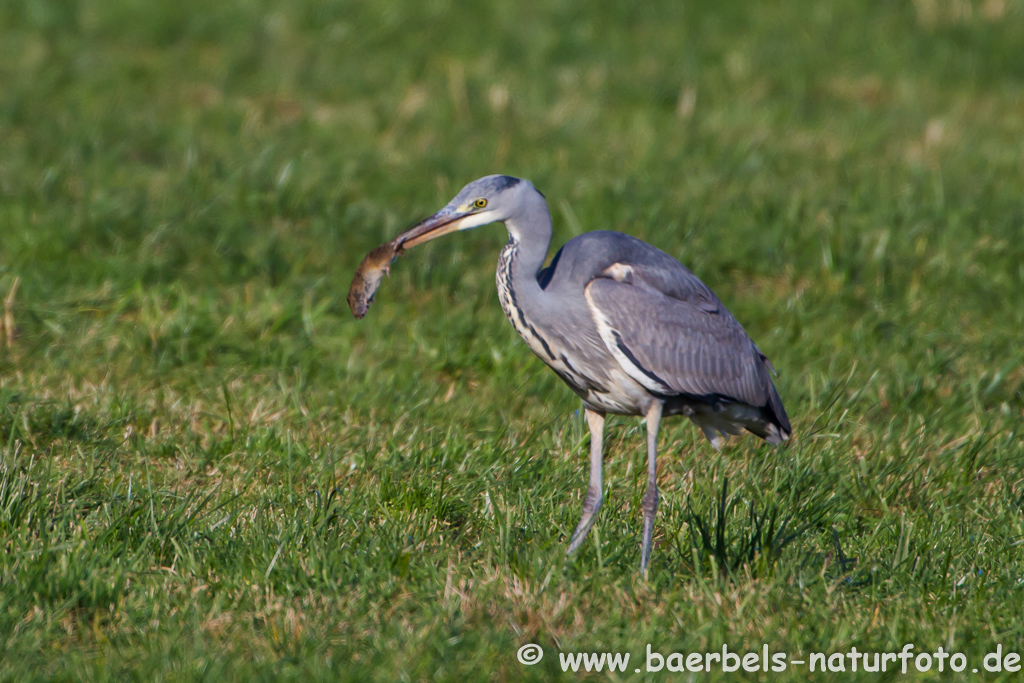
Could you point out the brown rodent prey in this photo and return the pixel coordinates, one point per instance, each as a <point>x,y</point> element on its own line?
<point>368,277</point>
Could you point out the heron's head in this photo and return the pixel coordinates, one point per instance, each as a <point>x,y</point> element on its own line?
<point>491,199</point>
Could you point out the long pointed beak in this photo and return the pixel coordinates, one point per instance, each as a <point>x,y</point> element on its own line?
<point>441,223</point>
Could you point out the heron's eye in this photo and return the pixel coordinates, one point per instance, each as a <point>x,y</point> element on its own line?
<point>480,203</point>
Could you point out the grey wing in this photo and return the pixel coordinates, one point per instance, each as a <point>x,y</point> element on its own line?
<point>674,337</point>
<point>677,282</point>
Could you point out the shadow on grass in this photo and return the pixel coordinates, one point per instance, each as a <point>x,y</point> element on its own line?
<point>755,546</point>
<point>45,423</point>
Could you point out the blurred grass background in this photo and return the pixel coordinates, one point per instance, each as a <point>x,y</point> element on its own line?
<point>211,470</point>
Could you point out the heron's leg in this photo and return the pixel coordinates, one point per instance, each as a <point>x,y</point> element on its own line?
<point>651,497</point>
<point>592,503</point>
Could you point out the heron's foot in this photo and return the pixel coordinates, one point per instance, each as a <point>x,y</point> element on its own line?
<point>591,505</point>
<point>650,509</point>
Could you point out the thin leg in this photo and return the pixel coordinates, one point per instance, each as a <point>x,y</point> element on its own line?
<point>592,503</point>
<point>651,497</point>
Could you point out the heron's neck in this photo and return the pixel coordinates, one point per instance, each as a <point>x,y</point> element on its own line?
<point>529,238</point>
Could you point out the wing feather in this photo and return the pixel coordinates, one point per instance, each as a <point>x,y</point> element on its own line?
<point>674,336</point>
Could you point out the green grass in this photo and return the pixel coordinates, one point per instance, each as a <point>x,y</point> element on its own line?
<point>210,471</point>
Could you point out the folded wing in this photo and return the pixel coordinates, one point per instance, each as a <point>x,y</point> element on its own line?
<point>673,336</point>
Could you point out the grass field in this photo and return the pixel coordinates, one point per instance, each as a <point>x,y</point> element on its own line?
<point>211,471</point>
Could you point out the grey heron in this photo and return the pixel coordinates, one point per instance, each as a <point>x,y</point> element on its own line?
<point>629,328</point>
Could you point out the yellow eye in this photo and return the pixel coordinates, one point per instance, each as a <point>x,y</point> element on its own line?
<point>480,203</point>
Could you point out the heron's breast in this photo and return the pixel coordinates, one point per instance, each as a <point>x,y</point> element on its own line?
<point>594,376</point>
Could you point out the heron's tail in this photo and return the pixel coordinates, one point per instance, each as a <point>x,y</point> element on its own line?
<point>779,428</point>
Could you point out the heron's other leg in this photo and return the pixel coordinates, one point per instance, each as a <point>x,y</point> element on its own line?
<point>651,497</point>
<point>592,503</point>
